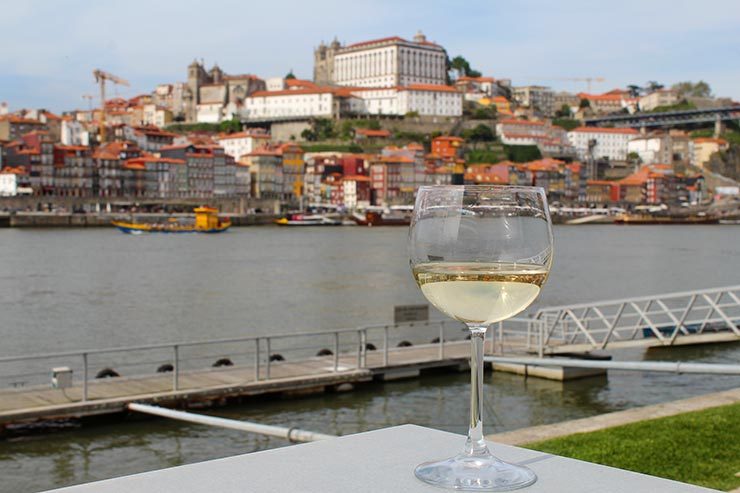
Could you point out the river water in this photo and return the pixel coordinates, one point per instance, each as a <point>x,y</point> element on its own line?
<point>80,289</point>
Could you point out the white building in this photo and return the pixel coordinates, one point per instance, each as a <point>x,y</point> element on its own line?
<point>326,102</point>
<point>8,185</point>
<point>156,115</point>
<point>239,144</point>
<point>386,62</point>
<point>265,105</point>
<point>651,149</point>
<point>209,112</point>
<point>275,84</point>
<point>535,97</point>
<point>661,97</point>
<point>430,100</point>
<point>74,133</point>
<point>597,142</point>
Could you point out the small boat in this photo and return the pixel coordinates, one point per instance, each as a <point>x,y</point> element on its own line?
<point>206,221</point>
<point>307,220</point>
<point>398,215</point>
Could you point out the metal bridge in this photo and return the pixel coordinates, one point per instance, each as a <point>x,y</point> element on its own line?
<point>669,118</point>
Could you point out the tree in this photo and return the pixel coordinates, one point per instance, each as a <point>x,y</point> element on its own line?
<point>563,112</point>
<point>634,90</point>
<point>460,65</point>
<point>522,154</point>
<point>689,89</point>
<point>480,133</point>
<point>484,113</point>
<point>584,103</point>
<point>290,75</point>
<point>653,86</point>
<point>308,135</point>
<point>230,126</point>
<point>324,129</point>
<point>566,123</point>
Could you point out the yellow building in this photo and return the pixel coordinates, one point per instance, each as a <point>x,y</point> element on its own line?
<point>704,147</point>
<point>503,105</point>
<point>293,170</point>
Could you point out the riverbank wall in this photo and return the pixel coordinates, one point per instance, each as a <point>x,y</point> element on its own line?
<point>610,420</point>
<point>70,220</point>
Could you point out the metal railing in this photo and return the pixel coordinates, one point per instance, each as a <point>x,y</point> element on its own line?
<point>341,349</point>
<point>666,319</point>
<point>663,319</point>
<point>678,367</point>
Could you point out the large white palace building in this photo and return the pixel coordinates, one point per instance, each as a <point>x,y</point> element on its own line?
<point>386,62</point>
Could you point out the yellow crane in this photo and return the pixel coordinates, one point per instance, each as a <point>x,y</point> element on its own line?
<point>100,78</point>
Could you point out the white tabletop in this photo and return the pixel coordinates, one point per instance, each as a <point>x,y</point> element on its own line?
<point>376,461</point>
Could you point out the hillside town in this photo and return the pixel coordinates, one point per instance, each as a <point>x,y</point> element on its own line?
<point>378,119</point>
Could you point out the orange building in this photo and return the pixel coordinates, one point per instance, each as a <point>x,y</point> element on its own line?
<point>447,146</point>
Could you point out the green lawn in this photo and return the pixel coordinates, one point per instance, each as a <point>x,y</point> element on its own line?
<point>701,448</point>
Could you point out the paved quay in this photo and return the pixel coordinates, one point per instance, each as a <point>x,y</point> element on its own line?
<point>618,418</point>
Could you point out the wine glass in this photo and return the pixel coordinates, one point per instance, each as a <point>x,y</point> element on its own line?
<point>480,254</point>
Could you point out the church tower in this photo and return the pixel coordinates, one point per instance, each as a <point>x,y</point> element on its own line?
<point>323,62</point>
<point>197,76</point>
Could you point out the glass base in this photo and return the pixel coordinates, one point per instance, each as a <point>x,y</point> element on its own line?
<point>475,473</point>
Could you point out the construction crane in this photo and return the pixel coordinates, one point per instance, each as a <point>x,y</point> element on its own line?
<point>100,78</point>
<point>89,98</point>
<point>587,80</point>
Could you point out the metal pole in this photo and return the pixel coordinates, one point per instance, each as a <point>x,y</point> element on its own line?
<point>269,354</point>
<point>441,341</point>
<point>501,337</point>
<point>84,377</point>
<point>176,368</point>
<point>257,359</point>
<point>669,367</point>
<point>359,349</point>
<point>292,434</point>
<point>363,347</point>
<point>336,351</point>
<point>385,346</point>
<point>540,337</point>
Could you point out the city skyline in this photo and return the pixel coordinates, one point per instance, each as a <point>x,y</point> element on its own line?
<point>152,44</point>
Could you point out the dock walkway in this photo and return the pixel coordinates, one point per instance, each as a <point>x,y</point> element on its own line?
<point>204,387</point>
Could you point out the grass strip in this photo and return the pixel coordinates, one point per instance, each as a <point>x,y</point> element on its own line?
<point>701,448</point>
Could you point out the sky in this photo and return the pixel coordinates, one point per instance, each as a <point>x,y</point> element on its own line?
<point>50,48</point>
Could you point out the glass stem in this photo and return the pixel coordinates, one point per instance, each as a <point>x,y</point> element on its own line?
<point>476,444</point>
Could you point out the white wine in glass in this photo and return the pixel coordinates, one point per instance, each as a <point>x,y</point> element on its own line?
<point>480,254</point>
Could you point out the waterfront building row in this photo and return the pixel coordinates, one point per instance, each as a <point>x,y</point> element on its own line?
<point>121,169</point>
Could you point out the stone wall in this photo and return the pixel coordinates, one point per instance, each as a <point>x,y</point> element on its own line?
<point>287,131</point>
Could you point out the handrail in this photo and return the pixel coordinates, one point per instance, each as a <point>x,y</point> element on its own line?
<point>662,366</point>
<point>167,345</point>
<point>677,294</point>
<point>291,434</point>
